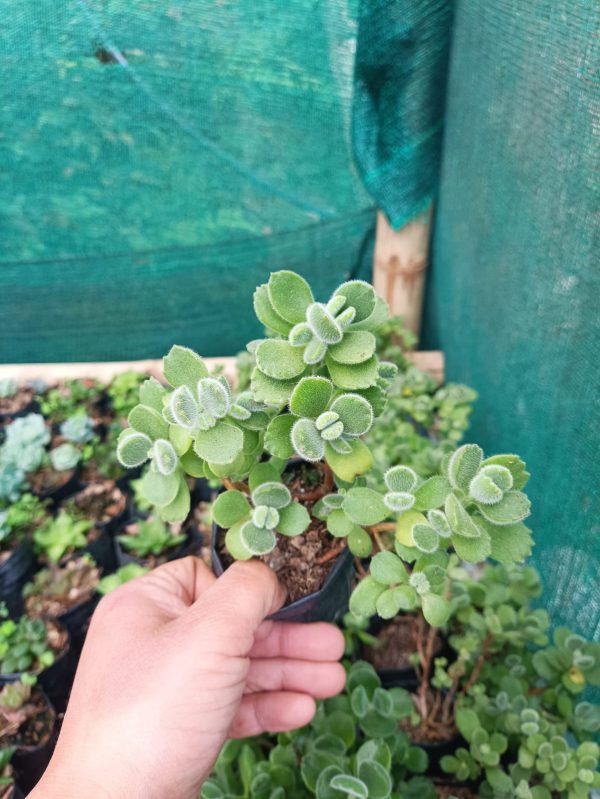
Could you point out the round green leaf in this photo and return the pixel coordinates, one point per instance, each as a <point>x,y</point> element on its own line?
<point>359,542</point>
<point>235,546</point>
<point>512,508</point>
<point>425,537</point>
<point>133,448</point>
<point>351,786</point>
<point>273,495</point>
<point>262,473</point>
<point>214,397</point>
<point>435,609</point>
<point>353,376</point>
<point>267,314</point>
<point>278,436</point>
<point>399,501</point>
<point>388,569</point>
<point>290,295</point>
<point>355,413</point>
<point>432,493</point>
<point>307,441</point>
<point>180,438</point>
<point>257,540</point>
<point>152,393</point>
<point>160,489</point>
<point>401,479</point>
<point>311,397</point>
<point>220,444</point>
<point>389,604</point>
<point>184,367</point>
<point>269,390</point>
<point>376,778</point>
<point>365,506</point>
<point>164,456</point>
<point>357,346</point>
<point>229,508</point>
<point>339,524</point>
<point>359,295</point>
<point>348,466</point>
<point>184,408</point>
<point>178,509</point>
<point>279,360</point>
<point>147,420</point>
<point>293,519</point>
<point>363,601</point>
<point>265,517</point>
<point>464,465</point>
<point>192,464</point>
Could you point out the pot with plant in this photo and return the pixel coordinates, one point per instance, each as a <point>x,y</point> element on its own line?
<point>67,593</point>
<point>281,447</point>
<point>15,400</point>
<point>152,542</point>
<point>67,535</point>
<point>28,727</point>
<point>17,562</point>
<point>71,397</point>
<point>101,502</point>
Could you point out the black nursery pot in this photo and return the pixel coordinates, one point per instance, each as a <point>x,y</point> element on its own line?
<point>17,793</point>
<point>103,551</point>
<point>57,495</point>
<point>31,407</point>
<point>326,604</point>
<point>436,751</point>
<point>202,492</point>
<point>190,546</point>
<point>30,762</point>
<point>14,573</point>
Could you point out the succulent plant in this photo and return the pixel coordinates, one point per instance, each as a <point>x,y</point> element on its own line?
<point>20,518</point>
<point>54,590</point>
<point>61,535</point>
<point>64,457</point>
<point>78,429</point>
<point>23,451</point>
<point>123,391</point>
<point>153,537</point>
<point>24,644</point>
<point>8,387</point>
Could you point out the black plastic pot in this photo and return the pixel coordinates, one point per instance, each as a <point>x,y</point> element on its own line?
<point>436,751</point>
<point>202,492</point>
<point>30,762</point>
<point>31,407</point>
<point>131,474</point>
<point>326,604</point>
<point>17,793</point>
<point>14,573</point>
<point>190,546</point>
<point>454,786</point>
<point>103,551</point>
<point>57,495</point>
<point>110,525</point>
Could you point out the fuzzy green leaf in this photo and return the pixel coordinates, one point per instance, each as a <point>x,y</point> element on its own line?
<point>307,441</point>
<point>164,456</point>
<point>348,467</point>
<point>377,317</point>
<point>160,489</point>
<point>184,408</point>
<point>293,519</point>
<point>290,295</point>
<point>219,445</point>
<point>351,786</point>
<point>267,314</point>
<point>311,397</point>
<point>399,501</point>
<point>152,393</point>
<point>363,601</point>
<point>214,397</point>
<point>484,490</point>
<point>510,543</point>
<point>353,376</point>
<point>464,465</point>
<point>230,508</point>
<point>184,367</point>
<point>271,391</point>
<point>515,466</point>
<point>354,412</point>
<point>314,352</point>
<point>339,524</point>
<point>357,346</point>
<point>278,436</point>
<point>133,448</point>
<point>279,360</point>
<point>389,604</point>
<point>432,493</point>
<point>323,325</point>
<point>262,473</point>
<point>425,537</point>
<point>180,438</point>
<point>146,420</point>
<point>458,518</point>
<point>192,464</point>
<point>388,569</point>
<point>365,506</point>
<point>359,295</point>
<point>235,546</point>
<point>437,519</point>
<point>341,446</point>
<point>435,609</point>
<point>512,508</point>
<point>273,495</point>
<point>359,542</point>
<point>376,397</point>
<point>257,540</point>
<point>473,550</point>
<point>405,596</point>
<point>376,778</point>
<point>400,478</point>
<point>178,509</point>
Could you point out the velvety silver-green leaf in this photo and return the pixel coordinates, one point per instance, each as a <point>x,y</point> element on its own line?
<point>359,542</point>
<point>348,466</point>
<point>180,438</point>
<point>273,494</point>
<point>437,519</point>
<point>300,335</point>
<point>350,786</point>
<point>357,346</point>
<point>352,376</point>
<point>339,524</point>
<point>152,394</point>
<point>293,519</point>
<point>389,604</point>
<point>290,295</point>
<point>267,389</point>
<point>164,456</point>
<point>341,446</point>
<point>333,501</point>
<point>149,421</point>
<point>326,419</point>
<point>388,569</point>
<point>376,778</point>
<point>230,507</point>
<point>376,397</point>
<point>400,478</point>
<point>420,583</point>
<point>458,518</point>
<point>464,465</point>
<point>425,537</point>
<point>363,601</point>
<point>387,370</point>
<point>323,325</point>
<point>365,506</point>
<point>515,465</point>
<point>436,610</point>
<point>512,508</point>
<point>192,464</point>
<point>278,359</point>
<point>214,397</point>
<point>183,367</point>
<point>406,597</point>
<point>178,509</point>
<point>360,295</point>
<point>331,432</point>
<point>221,444</point>
<point>473,550</point>
<point>314,352</point>
<point>399,501</point>
<point>262,473</point>
<point>235,546</point>
<point>278,436</point>
<point>355,413</point>
<point>160,489</point>
<point>510,543</point>
<point>257,540</point>
<point>267,314</point>
<point>265,517</point>
<point>377,317</point>
<point>240,413</point>
<point>184,408</point>
<point>483,489</point>
<point>432,493</point>
<point>307,441</point>
<point>133,448</point>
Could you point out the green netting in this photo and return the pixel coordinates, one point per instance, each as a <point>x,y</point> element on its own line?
<point>515,288</point>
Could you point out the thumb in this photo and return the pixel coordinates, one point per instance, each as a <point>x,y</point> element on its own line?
<point>235,606</point>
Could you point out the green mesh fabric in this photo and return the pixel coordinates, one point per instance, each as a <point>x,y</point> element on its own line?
<point>514,293</point>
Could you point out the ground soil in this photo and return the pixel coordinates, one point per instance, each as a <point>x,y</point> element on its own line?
<point>303,562</point>
<point>398,640</point>
<point>100,501</point>
<point>79,586</point>
<point>444,791</point>
<point>21,399</point>
<point>47,479</point>
<point>36,726</point>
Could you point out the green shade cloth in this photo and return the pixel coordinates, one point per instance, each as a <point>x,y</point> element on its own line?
<point>514,294</point>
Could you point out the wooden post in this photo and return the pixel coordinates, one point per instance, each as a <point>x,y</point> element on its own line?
<point>400,265</point>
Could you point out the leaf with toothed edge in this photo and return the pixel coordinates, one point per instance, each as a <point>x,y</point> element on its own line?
<point>353,376</point>
<point>269,390</point>
<point>307,441</point>
<point>146,420</point>
<point>311,397</point>
<point>220,444</point>
<point>279,360</point>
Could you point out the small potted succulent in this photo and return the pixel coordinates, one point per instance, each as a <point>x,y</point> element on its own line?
<point>151,542</point>
<point>17,561</point>
<point>67,535</point>
<point>27,726</point>
<point>69,398</point>
<point>14,400</point>
<point>123,392</point>
<point>287,450</point>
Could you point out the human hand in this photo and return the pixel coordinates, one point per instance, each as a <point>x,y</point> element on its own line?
<point>175,663</point>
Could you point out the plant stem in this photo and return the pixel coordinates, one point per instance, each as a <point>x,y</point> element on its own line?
<point>478,665</point>
<point>333,553</point>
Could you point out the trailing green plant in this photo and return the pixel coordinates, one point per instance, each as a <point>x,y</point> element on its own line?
<point>153,537</point>
<point>24,644</point>
<point>123,392</point>
<point>120,577</point>
<point>354,747</point>
<point>20,519</point>
<point>61,536</point>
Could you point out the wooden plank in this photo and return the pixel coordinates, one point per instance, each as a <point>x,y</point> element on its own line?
<point>432,362</point>
<point>400,265</point>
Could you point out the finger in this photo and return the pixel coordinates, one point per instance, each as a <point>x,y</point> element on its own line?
<point>272,712</point>
<point>233,608</point>
<point>186,578</point>
<point>320,680</point>
<point>317,641</point>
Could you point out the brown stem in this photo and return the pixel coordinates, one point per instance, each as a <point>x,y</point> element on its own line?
<point>449,699</point>
<point>384,527</point>
<point>333,553</point>
<point>379,542</point>
<point>359,568</point>
<point>243,487</point>
<point>478,665</point>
